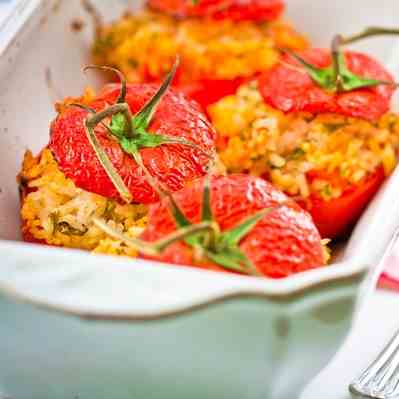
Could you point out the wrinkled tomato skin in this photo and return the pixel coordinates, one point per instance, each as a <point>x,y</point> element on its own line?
<point>282,243</point>
<point>289,88</point>
<point>334,218</point>
<point>236,10</point>
<point>172,165</point>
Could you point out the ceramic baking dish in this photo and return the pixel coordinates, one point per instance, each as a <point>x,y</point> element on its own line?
<point>78,325</point>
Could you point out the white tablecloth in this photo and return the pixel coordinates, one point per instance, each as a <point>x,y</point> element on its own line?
<point>377,322</point>
<point>5,8</point>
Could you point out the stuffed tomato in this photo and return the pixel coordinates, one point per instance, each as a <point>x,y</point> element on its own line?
<point>93,164</point>
<point>236,223</point>
<point>328,142</point>
<point>220,45</point>
<point>123,174</point>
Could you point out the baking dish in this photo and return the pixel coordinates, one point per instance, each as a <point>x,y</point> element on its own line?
<point>78,325</point>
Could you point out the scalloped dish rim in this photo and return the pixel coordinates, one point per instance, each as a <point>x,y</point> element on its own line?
<point>230,285</point>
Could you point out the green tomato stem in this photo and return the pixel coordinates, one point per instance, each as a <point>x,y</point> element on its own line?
<point>252,269</point>
<point>370,32</point>
<point>337,62</point>
<point>144,116</point>
<point>107,164</point>
<point>112,110</point>
<point>174,209</point>
<point>156,248</point>
<point>337,77</point>
<point>187,143</point>
<point>122,95</point>
<point>84,107</point>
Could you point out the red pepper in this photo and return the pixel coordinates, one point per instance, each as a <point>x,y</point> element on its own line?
<point>237,10</point>
<point>282,241</point>
<point>289,88</point>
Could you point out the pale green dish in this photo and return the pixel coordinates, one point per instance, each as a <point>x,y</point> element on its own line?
<point>165,333</point>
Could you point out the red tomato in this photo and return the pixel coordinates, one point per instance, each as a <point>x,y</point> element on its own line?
<point>237,10</point>
<point>171,164</point>
<point>334,217</point>
<point>204,91</point>
<point>289,88</point>
<point>283,242</point>
<point>207,92</point>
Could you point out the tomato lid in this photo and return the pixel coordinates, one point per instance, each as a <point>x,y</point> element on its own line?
<point>321,81</point>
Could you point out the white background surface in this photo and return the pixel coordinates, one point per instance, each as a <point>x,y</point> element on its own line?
<point>377,321</point>
<point>5,8</point>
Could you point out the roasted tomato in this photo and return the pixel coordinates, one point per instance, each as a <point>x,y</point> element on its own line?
<point>317,126</point>
<point>362,88</point>
<point>167,134</point>
<point>289,88</point>
<point>336,216</point>
<point>237,10</point>
<point>258,229</point>
<point>207,92</point>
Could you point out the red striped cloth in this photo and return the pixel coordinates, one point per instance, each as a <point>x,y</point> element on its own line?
<point>390,277</point>
<point>388,282</point>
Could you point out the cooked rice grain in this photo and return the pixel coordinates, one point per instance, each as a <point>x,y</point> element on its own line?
<point>145,45</point>
<point>300,153</point>
<point>56,212</point>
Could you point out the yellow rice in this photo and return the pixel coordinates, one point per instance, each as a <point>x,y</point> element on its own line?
<point>56,202</point>
<point>148,42</point>
<point>255,138</point>
<point>59,213</point>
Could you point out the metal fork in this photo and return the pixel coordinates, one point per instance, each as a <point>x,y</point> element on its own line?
<point>381,379</point>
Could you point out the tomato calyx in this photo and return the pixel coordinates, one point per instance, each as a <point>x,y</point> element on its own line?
<point>131,131</point>
<point>205,238</point>
<point>337,77</point>
<point>222,248</point>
